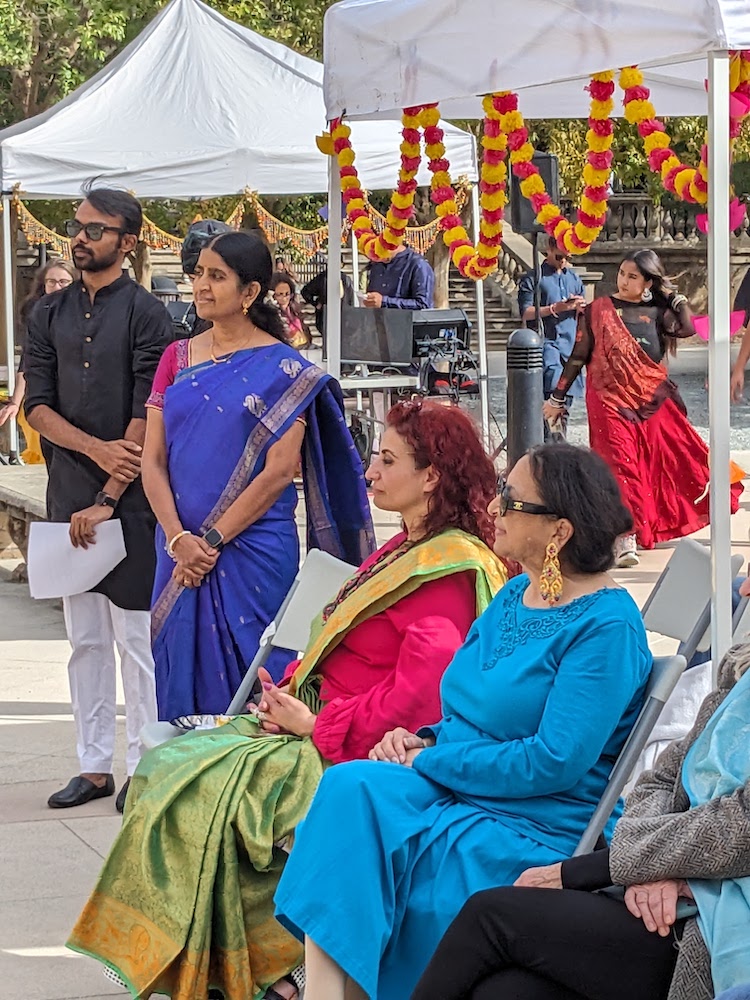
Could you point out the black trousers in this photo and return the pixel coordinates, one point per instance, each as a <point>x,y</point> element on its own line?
<point>548,944</point>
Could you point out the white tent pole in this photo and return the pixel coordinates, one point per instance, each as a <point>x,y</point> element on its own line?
<point>718,353</point>
<point>333,297</point>
<point>8,268</point>
<point>355,265</point>
<point>484,383</point>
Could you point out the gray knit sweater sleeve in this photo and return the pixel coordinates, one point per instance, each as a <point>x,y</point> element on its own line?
<point>659,836</point>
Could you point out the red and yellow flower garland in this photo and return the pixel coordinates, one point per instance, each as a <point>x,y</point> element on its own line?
<point>687,183</point>
<point>577,237</point>
<point>379,246</point>
<point>474,262</point>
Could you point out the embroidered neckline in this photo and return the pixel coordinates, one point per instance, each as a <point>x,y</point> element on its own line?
<point>538,623</point>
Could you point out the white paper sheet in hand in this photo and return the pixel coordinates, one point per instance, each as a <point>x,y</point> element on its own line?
<point>58,569</point>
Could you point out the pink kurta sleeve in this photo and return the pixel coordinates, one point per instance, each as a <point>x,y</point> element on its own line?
<point>165,376</point>
<point>434,622</point>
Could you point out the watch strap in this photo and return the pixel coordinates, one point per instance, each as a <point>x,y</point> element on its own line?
<point>103,499</point>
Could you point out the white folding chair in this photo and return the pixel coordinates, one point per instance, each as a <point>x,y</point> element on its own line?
<point>665,673</point>
<point>679,606</point>
<point>317,582</point>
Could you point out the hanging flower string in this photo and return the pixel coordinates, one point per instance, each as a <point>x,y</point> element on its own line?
<point>423,123</point>
<point>379,246</point>
<point>685,182</point>
<point>473,262</point>
<point>577,237</point>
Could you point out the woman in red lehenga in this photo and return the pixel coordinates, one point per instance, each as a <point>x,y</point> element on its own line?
<point>637,419</point>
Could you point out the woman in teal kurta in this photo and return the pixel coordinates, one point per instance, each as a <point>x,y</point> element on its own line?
<point>536,706</point>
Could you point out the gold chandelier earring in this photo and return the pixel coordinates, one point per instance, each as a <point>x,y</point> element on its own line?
<point>245,310</point>
<point>551,580</point>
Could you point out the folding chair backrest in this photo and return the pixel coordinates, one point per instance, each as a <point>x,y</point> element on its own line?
<point>319,579</point>
<point>317,582</point>
<point>741,622</point>
<point>679,606</point>
<point>665,673</point>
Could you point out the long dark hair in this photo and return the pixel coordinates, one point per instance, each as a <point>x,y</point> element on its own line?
<point>662,286</point>
<point>37,289</point>
<point>247,255</point>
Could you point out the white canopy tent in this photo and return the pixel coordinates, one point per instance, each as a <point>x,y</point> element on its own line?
<point>382,55</point>
<point>195,106</point>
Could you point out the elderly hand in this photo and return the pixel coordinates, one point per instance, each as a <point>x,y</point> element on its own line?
<point>373,300</point>
<point>656,903</point>
<point>399,746</point>
<point>548,877</point>
<point>279,712</point>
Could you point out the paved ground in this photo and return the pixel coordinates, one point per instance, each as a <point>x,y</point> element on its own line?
<point>49,859</point>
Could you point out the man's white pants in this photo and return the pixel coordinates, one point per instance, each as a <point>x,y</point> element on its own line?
<point>94,626</point>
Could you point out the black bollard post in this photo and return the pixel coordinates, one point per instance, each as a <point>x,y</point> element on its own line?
<point>525,393</point>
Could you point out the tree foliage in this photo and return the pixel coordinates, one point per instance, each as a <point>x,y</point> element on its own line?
<point>49,47</point>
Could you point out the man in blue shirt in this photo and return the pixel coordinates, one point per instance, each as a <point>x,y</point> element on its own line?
<point>406,281</point>
<point>561,299</point>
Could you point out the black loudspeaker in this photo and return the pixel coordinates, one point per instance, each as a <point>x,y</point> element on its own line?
<point>522,213</point>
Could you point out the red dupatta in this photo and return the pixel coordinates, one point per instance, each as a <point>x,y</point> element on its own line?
<point>620,372</point>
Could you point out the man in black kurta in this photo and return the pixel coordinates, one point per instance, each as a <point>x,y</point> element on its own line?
<point>92,353</point>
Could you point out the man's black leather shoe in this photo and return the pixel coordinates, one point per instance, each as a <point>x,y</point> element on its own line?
<point>80,790</point>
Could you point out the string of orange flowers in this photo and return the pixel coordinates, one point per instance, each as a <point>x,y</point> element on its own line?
<point>687,183</point>
<point>572,237</point>
<point>418,123</point>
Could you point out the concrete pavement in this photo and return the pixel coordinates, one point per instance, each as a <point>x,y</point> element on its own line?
<point>50,859</point>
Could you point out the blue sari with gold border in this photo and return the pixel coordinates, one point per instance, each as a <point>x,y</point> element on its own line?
<point>220,420</point>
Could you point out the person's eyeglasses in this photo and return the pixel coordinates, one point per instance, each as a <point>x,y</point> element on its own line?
<point>57,282</point>
<point>507,502</point>
<point>559,257</point>
<point>94,230</point>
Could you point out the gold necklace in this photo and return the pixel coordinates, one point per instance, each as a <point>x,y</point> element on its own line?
<point>226,357</point>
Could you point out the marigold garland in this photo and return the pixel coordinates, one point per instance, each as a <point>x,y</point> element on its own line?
<point>379,246</point>
<point>577,237</point>
<point>687,183</point>
<point>473,262</point>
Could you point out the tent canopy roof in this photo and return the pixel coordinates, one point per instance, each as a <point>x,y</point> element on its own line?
<point>197,106</point>
<point>383,55</point>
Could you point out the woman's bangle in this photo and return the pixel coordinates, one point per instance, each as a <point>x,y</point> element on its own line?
<point>557,403</point>
<point>553,310</point>
<point>171,544</point>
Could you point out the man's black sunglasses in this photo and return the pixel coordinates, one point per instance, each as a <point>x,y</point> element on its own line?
<point>94,230</point>
<point>507,502</point>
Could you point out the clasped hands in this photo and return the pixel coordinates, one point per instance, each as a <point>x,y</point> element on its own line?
<point>655,903</point>
<point>279,712</point>
<point>399,746</point>
<point>194,559</point>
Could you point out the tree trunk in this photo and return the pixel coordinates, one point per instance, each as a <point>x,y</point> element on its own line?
<point>142,267</point>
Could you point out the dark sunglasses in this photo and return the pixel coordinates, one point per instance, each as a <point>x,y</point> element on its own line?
<point>559,257</point>
<point>518,506</point>
<point>94,230</point>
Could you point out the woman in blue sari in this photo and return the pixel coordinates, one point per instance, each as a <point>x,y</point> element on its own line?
<point>233,413</point>
<point>536,705</point>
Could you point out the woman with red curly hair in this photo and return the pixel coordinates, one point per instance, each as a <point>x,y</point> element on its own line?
<point>213,806</point>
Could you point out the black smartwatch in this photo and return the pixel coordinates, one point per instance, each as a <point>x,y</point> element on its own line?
<point>103,499</point>
<point>214,538</point>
